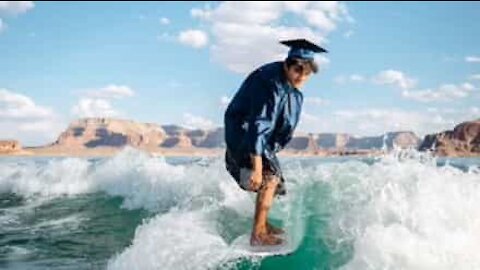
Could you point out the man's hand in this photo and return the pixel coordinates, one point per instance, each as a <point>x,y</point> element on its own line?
<point>256,177</point>
<point>255,180</point>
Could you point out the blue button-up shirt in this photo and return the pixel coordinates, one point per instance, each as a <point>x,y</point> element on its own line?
<point>263,114</point>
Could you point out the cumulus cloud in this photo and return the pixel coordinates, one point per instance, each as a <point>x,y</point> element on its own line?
<point>15,7</point>
<point>22,119</point>
<point>94,107</point>
<point>224,101</point>
<point>446,92</point>
<point>18,106</point>
<point>316,101</point>
<point>164,21</point>
<point>343,79</point>
<point>474,111</point>
<point>244,40</point>
<point>193,38</point>
<point>376,121</point>
<point>394,78</point>
<point>195,121</point>
<point>111,91</point>
<point>472,59</point>
<point>2,25</point>
<point>474,77</point>
<point>98,102</point>
<point>12,8</point>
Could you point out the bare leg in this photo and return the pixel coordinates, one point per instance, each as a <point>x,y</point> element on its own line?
<point>260,234</point>
<point>272,229</point>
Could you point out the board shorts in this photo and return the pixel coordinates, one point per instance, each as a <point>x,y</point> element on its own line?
<point>240,168</point>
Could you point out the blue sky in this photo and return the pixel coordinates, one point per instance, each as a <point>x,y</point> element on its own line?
<point>391,66</point>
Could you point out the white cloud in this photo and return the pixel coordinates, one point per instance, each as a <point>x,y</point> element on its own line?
<point>193,38</point>
<point>472,59</point>
<point>395,78</point>
<point>18,106</point>
<point>373,122</point>
<point>356,78</point>
<point>22,119</point>
<point>446,92</point>
<point>307,117</point>
<point>194,121</point>
<point>343,79</point>
<point>244,40</point>
<point>15,7</point>
<point>224,101</point>
<point>111,91</point>
<point>3,26</point>
<point>164,21</point>
<point>97,102</point>
<point>474,77</point>
<point>474,111</point>
<point>94,107</point>
<point>198,13</point>
<point>316,101</point>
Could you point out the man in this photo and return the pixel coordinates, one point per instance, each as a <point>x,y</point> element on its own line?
<point>259,122</point>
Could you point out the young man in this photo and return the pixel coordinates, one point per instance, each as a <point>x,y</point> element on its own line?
<point>259,122</point>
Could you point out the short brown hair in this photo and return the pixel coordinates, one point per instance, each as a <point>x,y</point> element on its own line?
<point>304,63</point>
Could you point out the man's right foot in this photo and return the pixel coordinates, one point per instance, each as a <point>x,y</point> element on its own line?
<point>265,240</point>
<point>274,230</point>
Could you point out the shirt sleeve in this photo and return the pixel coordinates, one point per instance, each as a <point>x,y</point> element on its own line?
<point>283,142</point>
<point>263,115</point>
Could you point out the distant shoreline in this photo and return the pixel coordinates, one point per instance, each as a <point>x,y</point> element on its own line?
<point>112,151</point>
<point>186,152</point>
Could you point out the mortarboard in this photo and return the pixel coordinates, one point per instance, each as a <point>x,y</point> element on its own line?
<point>302,48</point>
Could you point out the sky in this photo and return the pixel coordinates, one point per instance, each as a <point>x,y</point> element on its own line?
<point>391,66</point>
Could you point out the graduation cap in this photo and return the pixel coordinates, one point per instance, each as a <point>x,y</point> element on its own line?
<point>302,48</point>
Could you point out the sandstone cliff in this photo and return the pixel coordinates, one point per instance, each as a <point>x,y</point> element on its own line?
<point>106,134</point>
<point>9,146</point>
<point>463,140</point>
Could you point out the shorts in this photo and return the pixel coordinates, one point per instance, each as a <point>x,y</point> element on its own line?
<point>241,169</point>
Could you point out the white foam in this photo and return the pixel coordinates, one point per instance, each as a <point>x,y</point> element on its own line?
<point>142,180</point>
<point>61,225</point>
<point>174,241</point>
<point>402,212</point>
<point>56,177</point>
<point>406,213</point>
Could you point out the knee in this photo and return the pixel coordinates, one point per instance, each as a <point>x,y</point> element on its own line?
<point>271,181</point>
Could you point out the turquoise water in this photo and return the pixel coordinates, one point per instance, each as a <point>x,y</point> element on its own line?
<point>132,211</point>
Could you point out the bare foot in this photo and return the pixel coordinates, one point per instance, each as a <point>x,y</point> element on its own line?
<point>265,240</point>
<point>274,230</point>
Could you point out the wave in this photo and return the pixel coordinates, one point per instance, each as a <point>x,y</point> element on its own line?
<point>400,211</point>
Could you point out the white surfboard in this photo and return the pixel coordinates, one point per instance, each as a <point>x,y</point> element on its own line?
<point>242,246</point>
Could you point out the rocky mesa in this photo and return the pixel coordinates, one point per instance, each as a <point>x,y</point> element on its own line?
<point>463,140</point>
<point>109,135</point>
<point>10,146</point>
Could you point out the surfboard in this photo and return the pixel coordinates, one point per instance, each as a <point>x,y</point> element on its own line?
<point>242,245</point>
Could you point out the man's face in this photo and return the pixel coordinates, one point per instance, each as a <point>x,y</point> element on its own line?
<point>297,75</point>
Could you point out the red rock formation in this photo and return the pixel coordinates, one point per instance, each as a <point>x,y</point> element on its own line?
<point>463,140</point>
<point>90,133</point>
<point>94,132</point>
<point>10,146</point>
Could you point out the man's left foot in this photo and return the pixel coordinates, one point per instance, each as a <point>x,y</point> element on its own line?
<point>274,230</point>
